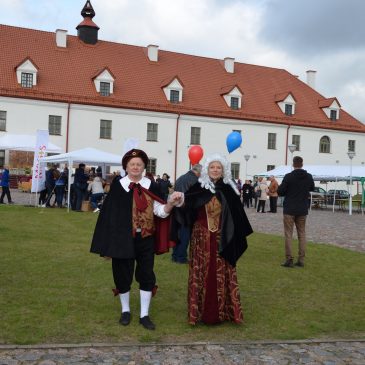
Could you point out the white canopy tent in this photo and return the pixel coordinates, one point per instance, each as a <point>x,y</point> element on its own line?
<point>23,142</point>
<point>88,156</point>
<point>323,173</point>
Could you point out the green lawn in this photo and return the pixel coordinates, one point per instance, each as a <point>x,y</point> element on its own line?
<point>52,290</point>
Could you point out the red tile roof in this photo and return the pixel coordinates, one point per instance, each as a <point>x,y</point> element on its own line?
<point>65,75</point>
<point>326,103</point>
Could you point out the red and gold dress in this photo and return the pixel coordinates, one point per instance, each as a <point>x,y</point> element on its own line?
<point>213,293</point>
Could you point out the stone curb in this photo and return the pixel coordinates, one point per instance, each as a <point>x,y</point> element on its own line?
<point>174,344</point>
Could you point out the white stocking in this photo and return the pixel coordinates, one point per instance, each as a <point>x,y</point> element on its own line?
<point>124,301</point>
<point>145,302</point>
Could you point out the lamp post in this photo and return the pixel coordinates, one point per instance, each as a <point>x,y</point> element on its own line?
<point>292,148</point>
<point>351,155</point>
<point>247,157</point>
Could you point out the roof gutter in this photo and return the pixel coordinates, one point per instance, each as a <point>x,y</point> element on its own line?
<point>287,143</point>
<point>67,125</point>
<point>176,142</point>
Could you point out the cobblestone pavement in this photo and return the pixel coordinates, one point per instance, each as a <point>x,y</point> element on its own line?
<point>253,353</point>
<point>324,226</point>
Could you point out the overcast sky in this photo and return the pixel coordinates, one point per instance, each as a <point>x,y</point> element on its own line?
<point>297,35</point>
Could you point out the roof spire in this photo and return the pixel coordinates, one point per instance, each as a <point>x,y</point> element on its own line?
<point>88,10</point>
<point>87,30</point>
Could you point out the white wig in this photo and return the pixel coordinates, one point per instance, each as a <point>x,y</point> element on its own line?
<point>205,180</point>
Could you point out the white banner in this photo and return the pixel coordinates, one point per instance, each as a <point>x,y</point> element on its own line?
<point>39,171</point>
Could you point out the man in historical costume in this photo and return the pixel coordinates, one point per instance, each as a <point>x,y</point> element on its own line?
<point>219,226</point>
<point>183,184</point>
<point>125,231</point>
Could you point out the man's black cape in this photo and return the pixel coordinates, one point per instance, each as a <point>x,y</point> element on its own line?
<point>113,231</point>
<point>235,226</point>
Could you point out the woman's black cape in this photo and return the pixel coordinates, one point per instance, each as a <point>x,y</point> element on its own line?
<point>235,226</point>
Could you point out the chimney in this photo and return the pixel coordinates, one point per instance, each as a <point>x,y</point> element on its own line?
<point>152,52</point>
<point>229,64</point>
<point>61,38</point>
<point>311,78</point>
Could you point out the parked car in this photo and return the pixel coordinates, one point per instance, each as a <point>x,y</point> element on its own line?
<point>340,194</point>
<point>319,192</point>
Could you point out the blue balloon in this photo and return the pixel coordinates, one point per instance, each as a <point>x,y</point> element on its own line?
<point>234,140</point>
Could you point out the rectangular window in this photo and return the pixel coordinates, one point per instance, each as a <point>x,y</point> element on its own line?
<point>104,88</point>
<point>2,120</point>
<point>151,166</point>
<point>270,167</point>
<point>2,158</point>
<point>105,129</point>
<point>27,79</point>
<point>333,114</point>
<point>352,145</point>
<point>195,135</point>
<point>152,129</point>
<point>296,140</point>
<point>235,170</point>
<point>54,125</point>
<point>234,103</point>
<point>288,109</point>
<point>174,96</point>
<point>271,141</point>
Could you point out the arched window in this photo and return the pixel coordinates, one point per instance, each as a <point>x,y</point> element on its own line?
<point>325,145</point>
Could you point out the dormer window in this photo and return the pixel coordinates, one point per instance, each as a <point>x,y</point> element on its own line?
<point>174,90</point>
<point>26,73</point>
<point>288,109</point>
<point>331,108</point>
<point>235,103</point>
<point>286,103</point>
<point>232,96</point>
<point>104,82</point>
<point>333,115</point>
<point>104,88</point>
<point>174,96</point>
<point>27,80</point>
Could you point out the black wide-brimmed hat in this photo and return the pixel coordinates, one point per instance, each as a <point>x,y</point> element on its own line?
<point>132,154</point>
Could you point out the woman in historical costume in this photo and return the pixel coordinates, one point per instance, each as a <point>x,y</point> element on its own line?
<point>219,229</point>
<point>127,232</point>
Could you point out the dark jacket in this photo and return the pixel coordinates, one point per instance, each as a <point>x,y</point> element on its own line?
<point>295,189</point>
<point>185,182</point>
<point>5,178</point>
<point>113,231</point>
<point>235,226</point>
<point>80,180</point>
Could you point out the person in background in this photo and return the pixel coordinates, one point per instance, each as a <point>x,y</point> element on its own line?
<point>126,232</point>
<point>117,175</point>
<point>214,211</point>
<point>5,185</point>
<point>261,192</point>
<point>183,184</point>
<point>165,185</point>
<point>246,193</point>
<point>80,185</point>
<point>254,196</point>
<point>60,183</point>
<point>295,188</point>
<point>239,185</point>
<point>273,194</point>
<point>50,185</point>
<point>96,187</point>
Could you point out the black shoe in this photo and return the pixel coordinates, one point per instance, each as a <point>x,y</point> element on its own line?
<point>288,263</point>
<point>147,323</point>
<point>299,263</point>
<point>125,318</point>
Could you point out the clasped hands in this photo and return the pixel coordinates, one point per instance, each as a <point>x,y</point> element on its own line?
<point>176,199</point>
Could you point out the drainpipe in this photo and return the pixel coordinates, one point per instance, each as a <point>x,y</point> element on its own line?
<point>176,141</point>
<point>67,124</point>
<point>286,144</point>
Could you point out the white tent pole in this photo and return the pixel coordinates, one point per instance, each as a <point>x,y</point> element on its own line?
<point>69,183</point>
<point>334,197</point>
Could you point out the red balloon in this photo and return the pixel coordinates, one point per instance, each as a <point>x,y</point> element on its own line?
<point>195,154</point>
